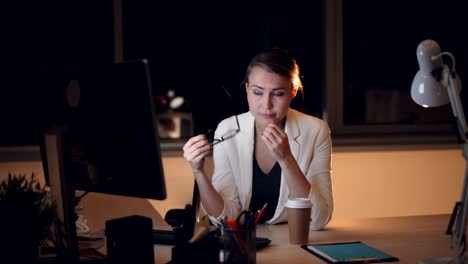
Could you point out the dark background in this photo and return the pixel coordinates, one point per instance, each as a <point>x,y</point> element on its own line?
<point>194,48</point>
<point>379,54</point>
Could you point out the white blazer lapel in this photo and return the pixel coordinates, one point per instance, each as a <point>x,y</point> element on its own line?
<point>246,159</point>
<point>292,130</point>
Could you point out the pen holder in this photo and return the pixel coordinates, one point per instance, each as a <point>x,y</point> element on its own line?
<point>239,246</point>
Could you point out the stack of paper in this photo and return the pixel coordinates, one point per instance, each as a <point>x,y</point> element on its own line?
<point>93,240</point>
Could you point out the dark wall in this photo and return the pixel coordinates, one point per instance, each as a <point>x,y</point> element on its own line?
<point>194,48</point>
<point>36,36</point>
<point>42,40</point>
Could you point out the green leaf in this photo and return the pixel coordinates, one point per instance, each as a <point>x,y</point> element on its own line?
<point>23,196</point>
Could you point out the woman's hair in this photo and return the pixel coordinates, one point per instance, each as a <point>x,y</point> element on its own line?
<point>278,61</point>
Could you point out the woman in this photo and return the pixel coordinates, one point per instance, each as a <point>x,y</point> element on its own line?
<point>279,153</point>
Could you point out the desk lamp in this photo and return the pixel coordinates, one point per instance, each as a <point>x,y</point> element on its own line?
<point>436,84</point>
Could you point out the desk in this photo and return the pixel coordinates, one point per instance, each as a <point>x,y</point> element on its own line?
<point>408,238</point>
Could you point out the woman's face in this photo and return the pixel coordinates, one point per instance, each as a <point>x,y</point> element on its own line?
<point>269,96</point>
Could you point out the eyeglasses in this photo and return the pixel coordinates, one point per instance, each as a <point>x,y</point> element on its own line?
<point>229,134</point>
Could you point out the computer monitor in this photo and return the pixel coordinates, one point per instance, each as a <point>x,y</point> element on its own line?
<point>108,142</point>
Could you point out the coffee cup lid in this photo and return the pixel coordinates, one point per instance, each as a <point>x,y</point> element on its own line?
<point>299,203</point>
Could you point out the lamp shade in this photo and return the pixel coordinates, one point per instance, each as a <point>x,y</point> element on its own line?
<point>427,90</point>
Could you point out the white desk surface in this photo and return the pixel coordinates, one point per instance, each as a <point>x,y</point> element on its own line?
<point>408,238</point>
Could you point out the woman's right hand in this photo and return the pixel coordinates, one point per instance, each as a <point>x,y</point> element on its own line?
<point>195,151</point>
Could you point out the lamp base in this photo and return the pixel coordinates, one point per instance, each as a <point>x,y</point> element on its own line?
<point>442,260</point>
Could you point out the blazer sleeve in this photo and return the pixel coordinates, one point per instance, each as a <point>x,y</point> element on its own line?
<point>223,180</point>
<point>319,176</point>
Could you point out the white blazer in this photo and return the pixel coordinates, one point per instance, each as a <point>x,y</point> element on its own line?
<point>310,143</point>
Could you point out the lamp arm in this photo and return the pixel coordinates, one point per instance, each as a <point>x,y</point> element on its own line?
<point>433,58</point>
<point>457,107</point>
<point>458,239</point>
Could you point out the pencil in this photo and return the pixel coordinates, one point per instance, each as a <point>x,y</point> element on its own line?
<point>260,213</point>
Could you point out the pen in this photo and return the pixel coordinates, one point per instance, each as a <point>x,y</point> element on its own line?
<point>361,260</point>
<point>250,217</point>
<point>232,224</point>
<point>236,235</point>
<point>260,213</point>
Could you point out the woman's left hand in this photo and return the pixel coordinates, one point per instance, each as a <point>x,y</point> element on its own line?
<point>277,142</point>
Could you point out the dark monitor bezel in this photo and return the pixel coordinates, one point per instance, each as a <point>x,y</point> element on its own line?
<point>56,151</point>
<point>146,161</point>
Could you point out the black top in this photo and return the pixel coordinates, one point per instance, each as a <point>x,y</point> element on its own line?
<point>265,189</point>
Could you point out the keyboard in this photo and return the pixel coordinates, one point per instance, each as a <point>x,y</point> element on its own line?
<point>262,242</point>
<point>166,237</point>
<point>163,237</point>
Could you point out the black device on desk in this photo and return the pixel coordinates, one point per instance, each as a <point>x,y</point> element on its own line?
<point>129,239</point>
<point>179,217</point>
<point>182,222</point>
<point>104,139</point>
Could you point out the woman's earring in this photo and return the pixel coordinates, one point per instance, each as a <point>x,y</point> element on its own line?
<point>294,92</point>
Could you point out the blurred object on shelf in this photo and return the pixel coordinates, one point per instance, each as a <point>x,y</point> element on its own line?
<point>175,102</point>
<point>175,125</point>
<point>161,103</point>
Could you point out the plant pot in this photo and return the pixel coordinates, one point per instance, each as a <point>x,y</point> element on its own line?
<point>19,242</point>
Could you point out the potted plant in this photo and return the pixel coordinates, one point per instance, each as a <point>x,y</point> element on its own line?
<point>27,212</point>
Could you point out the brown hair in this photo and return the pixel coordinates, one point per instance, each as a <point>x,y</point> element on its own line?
<point>278,61</point>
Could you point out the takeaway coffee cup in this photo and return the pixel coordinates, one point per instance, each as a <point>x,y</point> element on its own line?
<point>298,210</point>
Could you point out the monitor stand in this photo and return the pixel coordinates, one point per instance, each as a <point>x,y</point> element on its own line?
<point>64,195</point>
